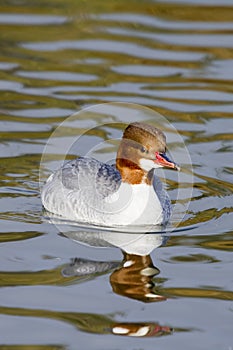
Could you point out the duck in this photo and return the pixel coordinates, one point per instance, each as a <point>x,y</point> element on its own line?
<point>88,191</point>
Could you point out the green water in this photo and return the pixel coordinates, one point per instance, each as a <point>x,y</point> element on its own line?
<point>58,57</point>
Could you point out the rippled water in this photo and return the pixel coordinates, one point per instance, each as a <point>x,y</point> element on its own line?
<point>58,57</point>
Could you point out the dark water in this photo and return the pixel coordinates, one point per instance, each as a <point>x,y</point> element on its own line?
<point>58,57</point>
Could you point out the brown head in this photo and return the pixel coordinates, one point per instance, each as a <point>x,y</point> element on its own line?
<point>142,149</point>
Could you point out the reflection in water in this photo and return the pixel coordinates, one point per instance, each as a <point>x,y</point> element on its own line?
<point>135,278</point>
<point>32,347</point>
<point>61,275</point>
<point>94,323</point>
<point>141,244</point>
<point>83,267</point>
<point>132,278</point>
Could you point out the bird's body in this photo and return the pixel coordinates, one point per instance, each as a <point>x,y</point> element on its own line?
<point>88,191</point>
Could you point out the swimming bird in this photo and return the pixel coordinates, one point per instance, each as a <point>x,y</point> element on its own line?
<point>88,191</point>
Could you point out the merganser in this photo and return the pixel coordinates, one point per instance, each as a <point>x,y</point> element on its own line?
<point>86,190</point>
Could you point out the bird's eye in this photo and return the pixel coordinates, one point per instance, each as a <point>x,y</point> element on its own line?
<point>144,150</point>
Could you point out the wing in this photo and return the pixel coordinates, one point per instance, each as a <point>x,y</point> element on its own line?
<point>90,174</point>
<point>163,198</point>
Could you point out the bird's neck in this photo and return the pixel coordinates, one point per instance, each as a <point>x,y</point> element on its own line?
<point>128,166</point>
<point>131,173</point>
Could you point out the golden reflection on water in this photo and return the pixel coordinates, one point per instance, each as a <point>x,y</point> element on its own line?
<point>17,236</point>
<point>101,22</point>
<point>94,323</point>
<point>199,293</point>
<point>32,347</point>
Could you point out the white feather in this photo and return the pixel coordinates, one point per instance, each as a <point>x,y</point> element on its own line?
<point>148,164</point>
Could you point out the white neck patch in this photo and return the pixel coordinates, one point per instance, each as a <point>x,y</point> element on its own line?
<point>148,164</point>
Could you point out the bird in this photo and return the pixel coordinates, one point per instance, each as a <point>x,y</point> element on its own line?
<point>88,191</point>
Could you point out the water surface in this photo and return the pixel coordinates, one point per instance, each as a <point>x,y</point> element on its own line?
<point>63,290</point>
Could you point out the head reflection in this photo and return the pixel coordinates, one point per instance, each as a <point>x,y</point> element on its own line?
<point>134,277</point>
